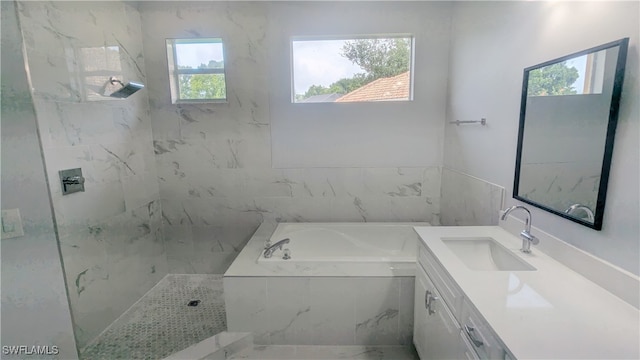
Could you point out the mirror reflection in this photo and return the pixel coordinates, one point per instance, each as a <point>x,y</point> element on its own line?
<point>567,123</point>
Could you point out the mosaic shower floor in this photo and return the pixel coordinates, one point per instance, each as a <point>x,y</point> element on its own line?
<point>161,322</point>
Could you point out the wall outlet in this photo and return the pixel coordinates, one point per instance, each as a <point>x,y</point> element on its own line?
<point>11,224</point>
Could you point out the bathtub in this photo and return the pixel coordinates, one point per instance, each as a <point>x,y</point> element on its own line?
<point>345,284</point>
<point>349,242</point>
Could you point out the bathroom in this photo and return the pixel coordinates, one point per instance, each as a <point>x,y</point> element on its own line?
<point>181,188</point>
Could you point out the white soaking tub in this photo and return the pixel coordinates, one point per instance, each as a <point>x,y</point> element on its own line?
<point>345,284</point>
<point>348,242</point>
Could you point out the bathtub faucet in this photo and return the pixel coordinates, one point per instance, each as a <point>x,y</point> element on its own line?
<point>269,250</point>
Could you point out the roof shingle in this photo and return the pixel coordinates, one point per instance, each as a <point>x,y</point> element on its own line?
<point>383,89</point>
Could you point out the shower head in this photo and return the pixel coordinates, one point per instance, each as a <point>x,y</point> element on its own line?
<point>126,90</point>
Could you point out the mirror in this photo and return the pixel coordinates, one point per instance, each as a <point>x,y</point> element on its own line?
<point>568,117</point>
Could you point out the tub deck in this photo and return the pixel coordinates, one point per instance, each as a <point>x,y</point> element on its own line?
<point>318,262</point>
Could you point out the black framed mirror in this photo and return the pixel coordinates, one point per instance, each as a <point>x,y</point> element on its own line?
<point>568,117</point>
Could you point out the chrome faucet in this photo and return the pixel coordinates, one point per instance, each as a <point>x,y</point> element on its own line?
<point>574,207</point>
<point>527,238</point>
<point>268,251</point>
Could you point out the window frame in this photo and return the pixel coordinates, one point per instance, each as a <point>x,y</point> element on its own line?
<point>400,35</point>
<point>175,72</point>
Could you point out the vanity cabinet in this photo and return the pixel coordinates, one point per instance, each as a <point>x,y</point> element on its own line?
<point>446,325</point>
<point>434,323</point>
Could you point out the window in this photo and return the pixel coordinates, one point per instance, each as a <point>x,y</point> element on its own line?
<point>576,76</point>
<point>369,68</point>
<point>196,68</point>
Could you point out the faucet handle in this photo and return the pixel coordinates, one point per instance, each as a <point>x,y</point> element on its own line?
<point>534,240</point>
<point>267,244</point>
<point>527,236</point>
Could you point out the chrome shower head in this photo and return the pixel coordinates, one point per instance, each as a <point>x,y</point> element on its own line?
<point>126,90</point>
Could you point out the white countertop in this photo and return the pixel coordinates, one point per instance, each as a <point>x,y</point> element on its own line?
<point>550,313</point>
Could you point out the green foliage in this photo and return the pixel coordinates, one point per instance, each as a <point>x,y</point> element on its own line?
<point>202,86</point>
<point>556,79</point>
<point>379,58</point>
<point>212,65</point>
<point>342,86</point>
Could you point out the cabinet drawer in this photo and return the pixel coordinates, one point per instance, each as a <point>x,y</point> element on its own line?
<point>479,334</point>
<point>450,292</point>
<point>467,351</point>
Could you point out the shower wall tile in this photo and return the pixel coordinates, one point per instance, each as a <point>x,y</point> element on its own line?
<point>112,241</point>
<point>469,201</point>
<point>214,160</point>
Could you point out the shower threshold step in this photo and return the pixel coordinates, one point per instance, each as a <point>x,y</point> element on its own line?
<point>218,347</point>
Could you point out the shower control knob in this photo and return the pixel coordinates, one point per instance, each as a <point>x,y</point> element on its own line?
<point>73,180</point>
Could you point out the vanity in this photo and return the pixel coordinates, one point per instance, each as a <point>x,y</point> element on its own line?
<point>478,296</point>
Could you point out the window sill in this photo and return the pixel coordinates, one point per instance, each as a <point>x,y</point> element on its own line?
<point>200,101</point>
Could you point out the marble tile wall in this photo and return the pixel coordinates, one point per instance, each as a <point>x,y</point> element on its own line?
<point>34,308</point>
<point>469,201</point>
<point>322,310</point>
<point>111,234</point>
<point>214,162</point>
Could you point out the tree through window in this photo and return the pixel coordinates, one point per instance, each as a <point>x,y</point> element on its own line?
<point>196,67</point>
<point>350,70</point>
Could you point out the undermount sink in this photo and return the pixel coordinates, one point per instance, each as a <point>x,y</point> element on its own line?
<point>485,254</point>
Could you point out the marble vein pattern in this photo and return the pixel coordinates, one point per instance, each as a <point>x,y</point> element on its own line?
<point>468,200</point>
<point>214,162</point>
<point>372,352</point>
<point>321,310</point>
<point>111,235</point>
<point>34,305</point>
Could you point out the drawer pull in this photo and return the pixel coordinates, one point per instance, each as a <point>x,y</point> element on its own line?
<point>428,301</point>
<point>471,334</point>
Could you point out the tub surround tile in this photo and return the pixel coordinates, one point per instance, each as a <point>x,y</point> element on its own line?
<point>319,303</point>
<point>405,311</point>
<point>320,310</point>
<point>469,200</point>
<point>377,309</point>
<point>327,352</point>
<point>288,311</point>
<point>333,310</point>
<point>246,305</point>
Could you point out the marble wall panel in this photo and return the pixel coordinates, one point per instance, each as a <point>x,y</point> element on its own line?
<point>333,311</point>
<point>469,201</point>
<point>322,310</point>
<point>111,235</point>
<point>214,160</point>
<point>34,305</point>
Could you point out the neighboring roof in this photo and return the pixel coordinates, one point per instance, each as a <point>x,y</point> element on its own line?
<point>391,88</point>
<point>321,98</point>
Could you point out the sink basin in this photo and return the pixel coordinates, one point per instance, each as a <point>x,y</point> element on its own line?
<point>485,254</point>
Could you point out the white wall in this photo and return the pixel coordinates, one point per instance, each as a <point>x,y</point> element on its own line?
<point>34,306</point>
<point>492,42</point>
<point>379,134</point>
